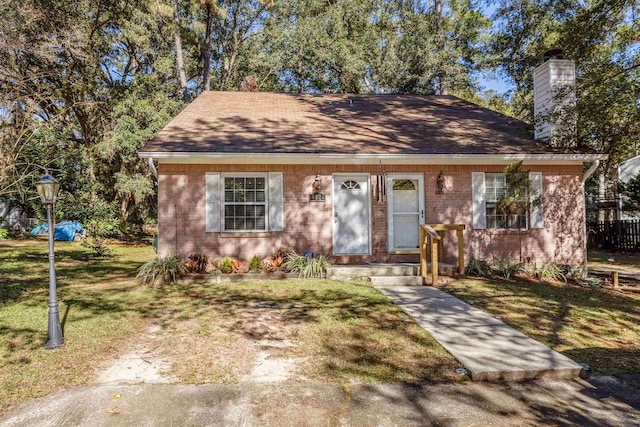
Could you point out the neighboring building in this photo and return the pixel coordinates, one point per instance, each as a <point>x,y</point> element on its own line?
<point>626,171</point>
<point>11,216</point>
<point>351,176</point>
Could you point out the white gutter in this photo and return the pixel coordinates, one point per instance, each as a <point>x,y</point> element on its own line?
<point>374,159</point>
<point>152,167</point>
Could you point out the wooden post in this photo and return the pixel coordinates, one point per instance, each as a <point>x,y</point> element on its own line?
<point>615,279</point>
<point>434,261</point>
<point>423,252</point>
<point>460,251</point>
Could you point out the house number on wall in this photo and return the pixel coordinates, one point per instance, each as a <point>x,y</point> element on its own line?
<point>317,197</point>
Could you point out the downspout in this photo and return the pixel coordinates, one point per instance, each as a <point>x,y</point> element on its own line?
<point>585,177</point>
<point>153,167</point>
<point>155,173</point>
<point>587,174</point>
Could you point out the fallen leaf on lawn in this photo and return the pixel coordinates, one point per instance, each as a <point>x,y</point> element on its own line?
<point>116,396</point>
<point>113,410</point>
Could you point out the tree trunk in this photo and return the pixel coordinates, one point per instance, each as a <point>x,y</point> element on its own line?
<point>206,51</point>
<point>179,58</point>
<point>124,209</point>
<point>442,76</point>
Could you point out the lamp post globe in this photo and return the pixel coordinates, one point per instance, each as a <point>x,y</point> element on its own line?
<point>48,190</point>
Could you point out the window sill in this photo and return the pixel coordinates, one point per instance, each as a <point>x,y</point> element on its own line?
<point>247,234</point>
<point>506,231</point>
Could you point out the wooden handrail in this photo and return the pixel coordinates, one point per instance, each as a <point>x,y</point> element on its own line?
<point>431,231</point>
<point>447,227</point>
<point>434,233</point>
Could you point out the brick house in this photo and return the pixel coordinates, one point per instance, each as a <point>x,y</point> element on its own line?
<point>351,176</point>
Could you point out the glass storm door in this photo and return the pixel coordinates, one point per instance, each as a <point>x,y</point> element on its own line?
<point>405,204</point>
<point>351,215</point>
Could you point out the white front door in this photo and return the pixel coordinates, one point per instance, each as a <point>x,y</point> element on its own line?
<point>405,204</point>
<point>351,215</point>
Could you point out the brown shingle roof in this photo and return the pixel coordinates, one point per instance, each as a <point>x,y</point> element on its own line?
<point>257,122</point>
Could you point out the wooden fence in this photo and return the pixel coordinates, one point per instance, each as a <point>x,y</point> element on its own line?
<point>615,235</point>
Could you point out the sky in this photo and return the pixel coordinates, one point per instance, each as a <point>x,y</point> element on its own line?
<point>492,80</point>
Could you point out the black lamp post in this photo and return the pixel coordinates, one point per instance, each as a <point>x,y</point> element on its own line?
<point>48,189</point>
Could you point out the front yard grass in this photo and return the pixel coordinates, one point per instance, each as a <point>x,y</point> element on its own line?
<point>597,326</point>
<point>337,331</point>
<point>100,307</point>
<point>629,263</point>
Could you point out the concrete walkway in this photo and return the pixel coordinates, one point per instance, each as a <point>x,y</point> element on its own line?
<point>487,347</point>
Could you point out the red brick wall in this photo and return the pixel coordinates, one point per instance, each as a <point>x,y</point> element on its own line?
<point>309,225</point>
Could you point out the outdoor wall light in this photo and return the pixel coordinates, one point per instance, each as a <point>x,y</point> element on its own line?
<point>317,183</point>
<point>48,190</point>
<point>440,184</point>
<point>315,195</point>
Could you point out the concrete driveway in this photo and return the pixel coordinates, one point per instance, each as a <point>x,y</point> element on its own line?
<point>606,402</point>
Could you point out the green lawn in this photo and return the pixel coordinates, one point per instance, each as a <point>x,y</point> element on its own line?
<point>597,326</point>
<point>617,261</point>
<point>100,307</point>
<point>340,331</point>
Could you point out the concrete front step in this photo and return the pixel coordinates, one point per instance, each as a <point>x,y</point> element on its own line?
<point>343,272</point>
<point>396,280</point>
<point>369,270</point>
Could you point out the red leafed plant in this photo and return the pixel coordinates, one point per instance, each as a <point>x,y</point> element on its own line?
<point>274,265</point>
<point>236,266</point>
<point>198,263</point>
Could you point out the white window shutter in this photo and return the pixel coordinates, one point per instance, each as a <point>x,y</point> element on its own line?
<point>479,201</point>
<point>276,205</point>
<point>536,216</point>
<point>212,203</point>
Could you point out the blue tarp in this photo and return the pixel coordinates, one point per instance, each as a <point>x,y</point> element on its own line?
<point>64,231</point>
<point>40,229</point>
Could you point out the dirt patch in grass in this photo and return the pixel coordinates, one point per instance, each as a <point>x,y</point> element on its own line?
<point>594,325</point>
<point>298,330</point>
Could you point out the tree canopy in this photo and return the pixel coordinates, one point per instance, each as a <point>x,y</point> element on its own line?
<point>83,83</point>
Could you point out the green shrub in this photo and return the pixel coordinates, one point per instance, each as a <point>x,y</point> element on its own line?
<point>226,267</point>
<point>307,267</point>
<point>255,264</point>
<point>163,270</point>
<point>198,263</point>
<point>551,271</point>
<point>4,234</point>
<point>506,267</point>
<point>477,267</point>
<point>97,232</point>
<point>578,274</point>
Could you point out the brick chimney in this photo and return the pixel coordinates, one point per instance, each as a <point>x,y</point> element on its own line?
<point>554,97</point>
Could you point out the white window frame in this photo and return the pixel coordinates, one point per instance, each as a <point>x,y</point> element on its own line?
<point>491,201</point>
<point>223,202</point>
